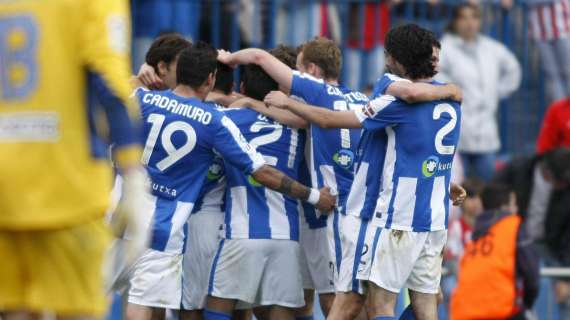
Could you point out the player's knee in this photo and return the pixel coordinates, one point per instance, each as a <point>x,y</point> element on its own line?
<point>352,306</point>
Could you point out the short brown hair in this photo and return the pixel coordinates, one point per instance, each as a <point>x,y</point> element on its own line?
<point>286,54</point>
<point>325,54</point>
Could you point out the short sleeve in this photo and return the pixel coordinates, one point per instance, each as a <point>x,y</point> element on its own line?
<point>306,87</point>
<point>230,143</point>
<point>380,113</point>
<point>382,84</point>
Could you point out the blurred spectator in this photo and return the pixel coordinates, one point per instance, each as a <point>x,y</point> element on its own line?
<point>368,24</point>
<point>487,72</point>
<point>555,130</point>
<point>460,229</point>
<point>459,234</point>
<point>300,21</point>
<point>549,23</point>
<point>499,272</point>
<point>154,17</point>
<point>542,185</point>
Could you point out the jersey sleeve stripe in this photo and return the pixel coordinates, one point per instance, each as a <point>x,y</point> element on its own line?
<point>255,157</point>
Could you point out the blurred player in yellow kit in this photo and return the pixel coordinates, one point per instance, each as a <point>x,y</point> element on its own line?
<point>64,87</point>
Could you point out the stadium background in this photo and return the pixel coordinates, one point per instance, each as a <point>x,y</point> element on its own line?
<point>359,27</point>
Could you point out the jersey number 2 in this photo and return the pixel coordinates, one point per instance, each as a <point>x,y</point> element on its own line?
<point>174,154</point>
<point>446,129</point>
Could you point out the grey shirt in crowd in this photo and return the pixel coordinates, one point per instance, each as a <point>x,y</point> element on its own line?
<point>486,71</point>
<point>538,205</point>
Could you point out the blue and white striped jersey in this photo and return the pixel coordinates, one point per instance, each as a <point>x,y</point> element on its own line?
<point>365,189</point>
<point>211,198</point>
<point>212,195</point>
<point>182,137</point>
<point>332,151</point>
<point>311,218</point>
<point>421,143</point>
<point>253,211</point>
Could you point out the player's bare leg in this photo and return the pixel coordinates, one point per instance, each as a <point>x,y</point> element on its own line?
<point>307,309</point>
<point>262,313</point>
<point>246,314</point>
<point>326,301</point>
<point>199,314</point>
<point>424,305</point>
<point>347,306</point>
<point>191,315</point>
<point>19,315</point>
<point>281,313</point>
<point>138,312</point>
<point>381,302</point>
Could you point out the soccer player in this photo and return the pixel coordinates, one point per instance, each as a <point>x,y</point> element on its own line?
<point>206,219</point>
<point>257,263</point>
<point>183,134</point>
<point>316,264</point>
<point>412,190</point>
<point>65,77</point>
<point>207,215</point>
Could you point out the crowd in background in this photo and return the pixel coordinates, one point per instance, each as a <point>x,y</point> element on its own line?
<point>480,52</point>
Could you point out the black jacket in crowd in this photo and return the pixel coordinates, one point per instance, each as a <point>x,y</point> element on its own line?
<point>519,175</point>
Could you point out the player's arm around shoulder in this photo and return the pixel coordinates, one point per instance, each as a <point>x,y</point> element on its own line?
<point>322,117</point>
<point>276,180</point>
<point>282,116</point>
<point>276,69</point>
<point>422,92</point>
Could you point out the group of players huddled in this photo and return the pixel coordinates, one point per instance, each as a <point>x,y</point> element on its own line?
<point>293,183</point>
<point>254,198</point>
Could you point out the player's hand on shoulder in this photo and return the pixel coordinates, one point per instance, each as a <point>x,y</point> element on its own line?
<point>457,194</point>
<point>276,99</point>
<point>327,200</point>
<point>148,77</point>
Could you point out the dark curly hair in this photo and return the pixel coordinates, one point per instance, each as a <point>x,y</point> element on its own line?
<point>412,46</point>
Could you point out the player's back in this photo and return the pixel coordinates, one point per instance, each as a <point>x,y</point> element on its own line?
<point>333,151</point>
<point>54,169</point>
<point>179,143</point>
<point>253,211</point>
<point>420,147</point>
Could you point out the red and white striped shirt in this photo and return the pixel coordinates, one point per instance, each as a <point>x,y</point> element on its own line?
<point>549,20</point>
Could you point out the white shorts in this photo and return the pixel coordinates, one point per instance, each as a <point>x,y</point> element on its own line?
<point>317,266</point>
<point>156,280</point>
<point>354,240</point>
<point>257,272</point>
<point>201,247</point>
<point>406,259</point>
